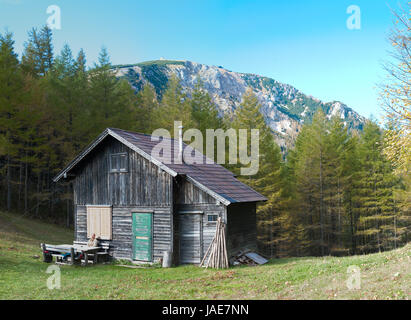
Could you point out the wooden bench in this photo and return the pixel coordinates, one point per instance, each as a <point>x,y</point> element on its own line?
<point>95,258</point>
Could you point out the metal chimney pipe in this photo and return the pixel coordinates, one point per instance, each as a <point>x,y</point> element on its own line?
<point>180,144</point>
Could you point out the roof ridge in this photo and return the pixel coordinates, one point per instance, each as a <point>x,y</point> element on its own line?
<point>141,133</point>
<point>185,145</point>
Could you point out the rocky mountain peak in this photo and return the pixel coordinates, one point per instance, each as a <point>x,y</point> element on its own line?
<point>284,107</point>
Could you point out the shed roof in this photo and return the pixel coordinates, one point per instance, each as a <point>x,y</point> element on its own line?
<point>210,177</point>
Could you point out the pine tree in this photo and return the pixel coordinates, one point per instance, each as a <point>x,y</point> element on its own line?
<point>80,64</point>
<point>174,106</point>
<point>350,167</point>
<point>269,178</point>
<point>147,108</point>
<point>113,102</point>
<point>374,193</point>
<point>19,120</point>
<point>62,99</point>
<point>10,99</point>
<point>309,174</point>
<point>395,94</point>
<point>402,215</point>
<point>337,142</point>
<point>38,52</point>
<point>204,113</point>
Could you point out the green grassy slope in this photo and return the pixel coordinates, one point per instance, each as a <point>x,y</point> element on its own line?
<point>23,274</point>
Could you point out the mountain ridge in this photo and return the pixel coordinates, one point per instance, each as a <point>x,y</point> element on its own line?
<point>284,107</point>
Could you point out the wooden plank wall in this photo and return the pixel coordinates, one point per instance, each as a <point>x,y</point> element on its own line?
<point>190,198</point>
<point>190,194</point>
<point>144,187</point>
<point>241,227</point>
<point>191,238</point>
<point>121,245</point>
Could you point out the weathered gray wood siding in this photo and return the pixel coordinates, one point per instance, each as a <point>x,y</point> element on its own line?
<point>241,227</point>
<point>121,245</point>
<point>190,234</point>
<point>189,198</point>
<point>144,184</point>
<point>143,188</point>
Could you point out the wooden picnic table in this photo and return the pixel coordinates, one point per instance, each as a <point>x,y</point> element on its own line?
<point>73,249</point>
<point>86,250</point>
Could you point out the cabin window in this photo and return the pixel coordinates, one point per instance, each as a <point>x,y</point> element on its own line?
<point>119,162</point>
<point>99,222</point>
<point>212,217</point>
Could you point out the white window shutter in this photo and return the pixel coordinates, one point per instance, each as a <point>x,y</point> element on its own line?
<point>96,222</point>
<point>106,223</point>
<point>93,215</point>
<point>99,222</point>
<point>88,223</point>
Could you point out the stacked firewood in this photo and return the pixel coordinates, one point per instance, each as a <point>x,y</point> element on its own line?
<point>216,255</point>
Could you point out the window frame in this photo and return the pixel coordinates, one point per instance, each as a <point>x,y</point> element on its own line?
<point>210,215</point>
<point>120,170</point>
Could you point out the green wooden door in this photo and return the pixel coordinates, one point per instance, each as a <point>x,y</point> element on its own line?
<point>142,236</point>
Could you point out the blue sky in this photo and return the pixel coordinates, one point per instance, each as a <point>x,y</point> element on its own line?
<point>304,43</point>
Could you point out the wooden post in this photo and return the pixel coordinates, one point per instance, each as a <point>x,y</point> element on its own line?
<point>72,255</point>
<point>43,249</point>
<point>85,258</point>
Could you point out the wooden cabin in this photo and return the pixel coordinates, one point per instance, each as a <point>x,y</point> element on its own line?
<point>142,206</point>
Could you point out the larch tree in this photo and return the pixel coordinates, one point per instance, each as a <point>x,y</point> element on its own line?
<point>395,98</point>
<point>10,100</point>
<point>374,193</point>
<point>174,106</point>
<point>112,100</point>
<point>395,93</point>
<point>147,107</point>
<point>37,57</point>
<point>204,113</point>
<point>269,179</point>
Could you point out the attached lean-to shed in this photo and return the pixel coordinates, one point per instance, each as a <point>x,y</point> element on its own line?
<point>142,206</point>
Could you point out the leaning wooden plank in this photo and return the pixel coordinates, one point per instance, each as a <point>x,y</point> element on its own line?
<point>225,250</point>
<point>206,254</point>
<point>256,258</point>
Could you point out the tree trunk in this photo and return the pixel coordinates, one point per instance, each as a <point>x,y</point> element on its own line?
<point>19,188</point>
<point>68,207</point>
<point>321,204</point>
<point>38,193</point>
<point>26,182</point>
<point>339,214</point>
<point>353,239</point>
<point>8,184</point>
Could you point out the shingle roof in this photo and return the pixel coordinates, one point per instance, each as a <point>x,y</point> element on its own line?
<point>207,175</point>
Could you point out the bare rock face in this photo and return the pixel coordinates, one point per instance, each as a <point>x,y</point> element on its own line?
<point>284,107</point>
